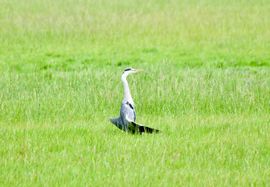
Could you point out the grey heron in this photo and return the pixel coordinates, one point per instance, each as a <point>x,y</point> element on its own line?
<point>127,118</point>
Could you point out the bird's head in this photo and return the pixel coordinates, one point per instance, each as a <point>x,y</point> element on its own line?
<point>128,71</point>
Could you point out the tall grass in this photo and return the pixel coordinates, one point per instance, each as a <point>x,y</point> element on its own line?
<point>168,91</point>
<point>206,86</point>
<point>211,33</point>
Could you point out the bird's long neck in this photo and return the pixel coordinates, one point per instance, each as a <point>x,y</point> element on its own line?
<point>127,94</point>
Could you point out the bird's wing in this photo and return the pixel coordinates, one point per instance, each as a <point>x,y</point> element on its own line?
<point>118,122</point>
<point>136,128</point>
<point>127,112</point>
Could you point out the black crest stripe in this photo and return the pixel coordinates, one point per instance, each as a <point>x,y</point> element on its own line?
<point>127,69</point>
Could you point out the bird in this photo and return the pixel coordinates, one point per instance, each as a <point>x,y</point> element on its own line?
<point>127,119</point>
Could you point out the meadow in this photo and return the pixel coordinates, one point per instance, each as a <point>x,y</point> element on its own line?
<point>205,85</point>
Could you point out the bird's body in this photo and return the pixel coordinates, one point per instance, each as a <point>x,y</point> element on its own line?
<point>127,118</point>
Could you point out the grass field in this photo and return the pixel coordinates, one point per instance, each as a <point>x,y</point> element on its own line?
<point>206,86</point>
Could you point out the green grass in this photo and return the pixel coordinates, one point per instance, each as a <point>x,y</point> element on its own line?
<point>206,86</point>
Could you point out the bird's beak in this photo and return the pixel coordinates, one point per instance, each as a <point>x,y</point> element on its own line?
<point>139,70</point>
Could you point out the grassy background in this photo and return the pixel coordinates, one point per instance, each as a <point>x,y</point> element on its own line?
<point>206,86</point>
